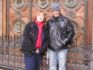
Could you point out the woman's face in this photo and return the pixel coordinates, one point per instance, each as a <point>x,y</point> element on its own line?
<point>40,17</point>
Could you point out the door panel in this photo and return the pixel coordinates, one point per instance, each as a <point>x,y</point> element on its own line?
<point>16,14</point>
<point>72,9</point>
<point>19,16</point>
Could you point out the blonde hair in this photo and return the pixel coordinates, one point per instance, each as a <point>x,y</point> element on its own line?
<point>38,12</point>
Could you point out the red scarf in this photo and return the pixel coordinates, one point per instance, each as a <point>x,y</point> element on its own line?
<point>39,38</point>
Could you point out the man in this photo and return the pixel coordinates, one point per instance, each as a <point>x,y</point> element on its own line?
<point>61,33</point>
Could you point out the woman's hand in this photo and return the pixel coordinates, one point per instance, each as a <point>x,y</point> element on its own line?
<point>37,51</point>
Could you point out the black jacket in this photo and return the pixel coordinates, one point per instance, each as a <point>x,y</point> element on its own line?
<point>61,33</point>
<point>30,38</point>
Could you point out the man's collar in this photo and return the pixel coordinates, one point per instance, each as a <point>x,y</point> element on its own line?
<point>60,18</point>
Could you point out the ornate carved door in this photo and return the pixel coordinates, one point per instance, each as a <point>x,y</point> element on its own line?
<point>17,13</point>
<point>75,10</point>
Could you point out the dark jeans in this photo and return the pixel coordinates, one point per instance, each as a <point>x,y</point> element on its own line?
<point>33,62</point>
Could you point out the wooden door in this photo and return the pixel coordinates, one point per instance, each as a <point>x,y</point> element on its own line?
<point>16,14</point>
<point>73,9</point>
<point>20,12</point>
<point>76,11</point>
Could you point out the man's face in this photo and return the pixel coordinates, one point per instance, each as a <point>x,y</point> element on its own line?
<point>56,13</point>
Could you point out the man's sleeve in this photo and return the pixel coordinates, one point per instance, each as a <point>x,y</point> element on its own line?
<point>70,32</point>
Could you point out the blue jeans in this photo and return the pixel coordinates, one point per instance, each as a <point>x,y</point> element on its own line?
<point>32,62</point>
<point>57,59</point>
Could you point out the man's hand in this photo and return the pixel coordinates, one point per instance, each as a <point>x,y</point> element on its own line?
<point>37,51</point>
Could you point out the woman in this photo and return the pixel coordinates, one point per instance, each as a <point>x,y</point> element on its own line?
<point>34,42</point>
